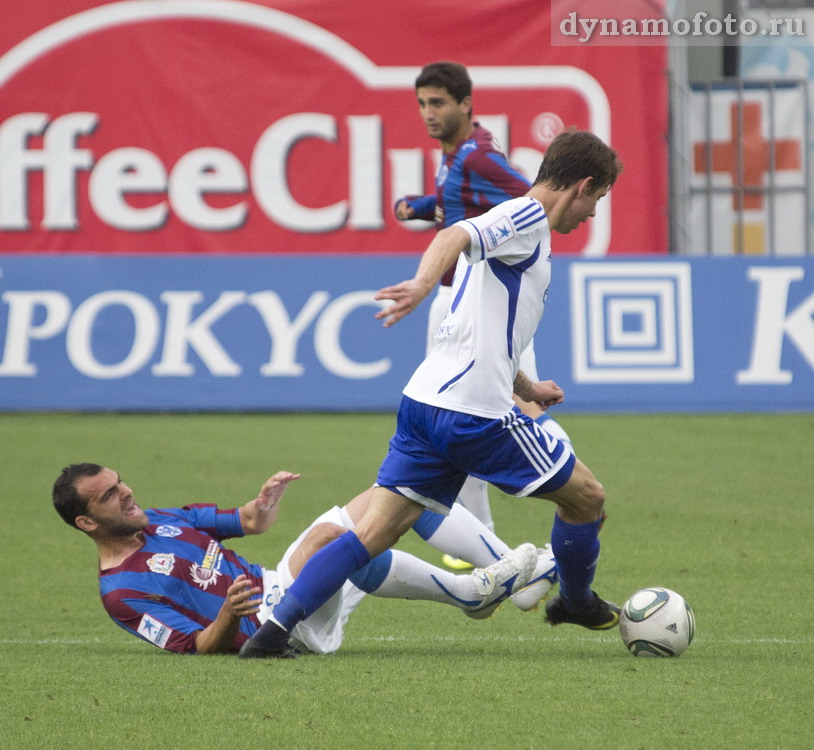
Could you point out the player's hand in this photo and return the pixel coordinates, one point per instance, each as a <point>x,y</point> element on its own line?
<point>406,296</point>
<point>404,211</point>
<point>273,490</point>
<point>242,598</point>
<point>546,393</point>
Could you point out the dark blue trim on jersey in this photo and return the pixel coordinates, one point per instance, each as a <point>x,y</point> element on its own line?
<point>529,215</point>
<point>457,377</point>
<point>511,277</point>
<point>530,205</point>
<point>460,292</point>
<point>480,241</point>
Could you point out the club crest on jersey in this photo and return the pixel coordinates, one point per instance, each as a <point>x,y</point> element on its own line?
<point>497,233</point>
<point>207,572</point>
<point>170,531</point>
<point>162,563</point>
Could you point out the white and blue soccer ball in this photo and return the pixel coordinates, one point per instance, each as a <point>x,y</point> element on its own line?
<point>657,622</point>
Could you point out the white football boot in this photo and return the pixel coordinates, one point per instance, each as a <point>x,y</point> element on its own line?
<point>542,580</point>
<point>497,582</point>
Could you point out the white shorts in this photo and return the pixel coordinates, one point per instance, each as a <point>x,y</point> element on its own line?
<point>322,632</point>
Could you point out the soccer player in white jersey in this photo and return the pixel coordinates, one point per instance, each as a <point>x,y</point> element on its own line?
<point>457,416</point>
<point>473,176</point>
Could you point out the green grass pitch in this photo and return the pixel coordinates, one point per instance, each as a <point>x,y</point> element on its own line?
<point>719,508</point>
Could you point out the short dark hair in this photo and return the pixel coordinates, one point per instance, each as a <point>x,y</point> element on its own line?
<point>67,501</point>
<point>451,76</point>
<point>574,155</point>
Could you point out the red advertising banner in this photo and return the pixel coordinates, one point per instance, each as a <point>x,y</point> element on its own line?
<point>228,126</point>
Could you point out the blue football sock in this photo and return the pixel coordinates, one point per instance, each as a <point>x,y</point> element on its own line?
<point>576,549</point>
<point>427,524</point>
<point>372,575</point>
<point>321,577</point>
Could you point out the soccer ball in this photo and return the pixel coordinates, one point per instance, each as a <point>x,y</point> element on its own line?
<point>657,622</point>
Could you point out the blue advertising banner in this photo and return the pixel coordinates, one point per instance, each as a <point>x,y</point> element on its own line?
<point>692,335</point>
<point>292,333</point>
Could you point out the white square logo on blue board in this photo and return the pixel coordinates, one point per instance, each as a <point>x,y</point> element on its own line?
<point>632,322</point>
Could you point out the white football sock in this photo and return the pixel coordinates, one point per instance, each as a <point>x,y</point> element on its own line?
<point>462,535</point>
<point>412,578</point>
<point>475,498</point>
<point>552,427</point>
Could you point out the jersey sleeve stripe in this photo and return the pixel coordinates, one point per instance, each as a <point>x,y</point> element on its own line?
<point>530,219</point>
<point>480,240</point>
<point>531,205</point>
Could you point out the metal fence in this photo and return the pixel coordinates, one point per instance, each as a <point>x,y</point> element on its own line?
<point>749,188</point>
<point>740,151</point>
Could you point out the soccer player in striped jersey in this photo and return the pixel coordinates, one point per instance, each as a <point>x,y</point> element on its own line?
<point>473,177</point>
<point>474,174</point>
<point>457,416</point>
<point>165,576</point>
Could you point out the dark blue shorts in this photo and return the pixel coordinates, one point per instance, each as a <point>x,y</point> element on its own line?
<point>434,450</point>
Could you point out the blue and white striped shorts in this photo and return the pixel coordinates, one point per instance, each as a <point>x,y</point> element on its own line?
<point>434,450</point>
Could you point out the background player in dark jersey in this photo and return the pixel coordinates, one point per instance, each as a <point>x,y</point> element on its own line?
<point>474,175</point>
<point>165,576</point>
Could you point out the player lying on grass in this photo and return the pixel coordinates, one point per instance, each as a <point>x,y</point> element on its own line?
<point>164,575</point>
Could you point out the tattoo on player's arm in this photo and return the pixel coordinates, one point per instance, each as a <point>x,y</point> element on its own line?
<point>522,386</point>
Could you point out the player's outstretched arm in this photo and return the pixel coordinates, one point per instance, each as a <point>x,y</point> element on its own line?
<point>258,514</point>
<point>442,252</point>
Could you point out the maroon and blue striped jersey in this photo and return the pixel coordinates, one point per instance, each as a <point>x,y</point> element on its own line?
<point>471,180</point>
<point>176,583</point>
<point>474,178</point>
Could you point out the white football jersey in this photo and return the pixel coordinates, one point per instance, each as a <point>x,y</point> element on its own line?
<point>498,296</point>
